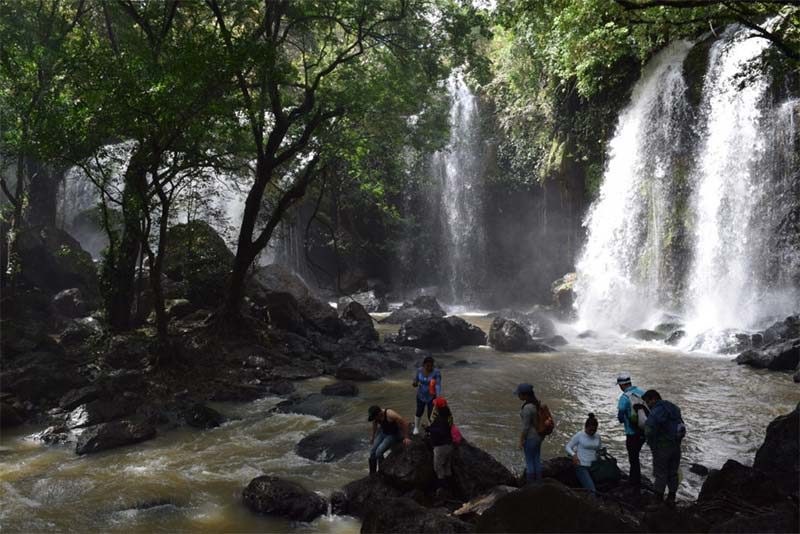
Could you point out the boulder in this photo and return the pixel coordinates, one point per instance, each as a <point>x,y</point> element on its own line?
<point>562,469</point>
<point>275,496</point>
<point>535,322</point>
<point>508,336</point>
<point>201,416</point>
<point>421,307</point>
<point>331,444</point>
<point>436,333</point>
<point>112,435</point>
<point>409,467</point>
<point>128,351</point>
<point>554,341</point>
<point>748,484</point>
<point>777,356</point>
<point>779,455</point>
<point>475,507</point>
<point>475,472</point>
<point>24,319</point>
<point>780,519</point>
<point>553,507</point>
<point>53,261</point>
<point>315,404</point>
<point>368,299</point>
<point>70,303</point>
<point>359,496</point>
<point>340,389</point>
<point>564,295</point>
<point>789,328</point>
<point>670,520</point>
<point>699,469</point>
<point>79,330</point>
<point>277,278</point>
<point>11,414</point>
<point>646,335</point>
<point>199,257</point>
<point>668,327</point>
<point>99,411</point>
<point>283,312</point>
<point>675,337</point>
<point>280,388</point>
<point>79,396</point>
<point>364,367</point>
<point>40,377</point>
<point>587,334</point>
<point>402,515</point>
<point>359,322</point>
<point>179,308</point>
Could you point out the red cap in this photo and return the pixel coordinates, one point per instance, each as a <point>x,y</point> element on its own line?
<point>439,402</point>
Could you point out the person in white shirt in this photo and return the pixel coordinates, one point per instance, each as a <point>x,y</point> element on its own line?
<point>583,449</point>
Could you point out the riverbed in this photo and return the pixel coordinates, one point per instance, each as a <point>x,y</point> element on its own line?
<point>189,479</point>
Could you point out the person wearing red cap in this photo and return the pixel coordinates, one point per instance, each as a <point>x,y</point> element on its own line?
<point>442,442</point>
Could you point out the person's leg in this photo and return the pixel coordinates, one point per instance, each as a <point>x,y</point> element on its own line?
<point>373,452</point>
<point>537,460</point>
<point>660,471</point>
<point>633,444</point>
<point>385,445</point>
<point>585,478</point>
<point>418,415</point>
<point>430,409</point>
<point>673,467</point>
<point>529,462</point>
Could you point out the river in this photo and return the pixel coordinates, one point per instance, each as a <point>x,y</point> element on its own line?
<point>188,479</point>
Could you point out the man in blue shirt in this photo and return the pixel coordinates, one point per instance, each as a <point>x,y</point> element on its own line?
<point>634,437</point>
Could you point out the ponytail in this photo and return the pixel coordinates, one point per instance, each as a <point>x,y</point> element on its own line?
<point>535,401</point>
<point>591,421</point>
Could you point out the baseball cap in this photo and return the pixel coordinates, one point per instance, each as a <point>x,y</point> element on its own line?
<point>373,412</point>
<point>624,378</point>
<point>440,402</point>
<point>523,389</point>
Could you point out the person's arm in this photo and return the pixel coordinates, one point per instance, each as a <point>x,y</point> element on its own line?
<point>572,446</point>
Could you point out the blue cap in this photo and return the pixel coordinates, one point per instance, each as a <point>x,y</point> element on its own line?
<point>523,389</point>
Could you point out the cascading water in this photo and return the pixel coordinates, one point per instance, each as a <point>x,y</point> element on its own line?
<point>622,270</point>
<point>710,233</point>
<point>460,168</point>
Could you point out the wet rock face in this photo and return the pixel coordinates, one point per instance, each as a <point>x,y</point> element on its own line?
<point>779,455</point>
<point>475,472</point>
<point>371,302</point>
<point>422,307</point>
<point>112,435</point>
<point>748,484</point>
<point>203,417</point>
<point>341,389</point>
<point>436,333</point>
<point>274,496</point>
<point>41,377</point>
<point>330,445</point>
<point>359,496</point>
<point>564,295</point>
<point>358,321</point>
<point>777,356</point>
<point>70,303</point>
<point>507,335</point>
<point>405,515</point>
<point>409,467</point>
<point>552,507</point>
<point>315,404</point>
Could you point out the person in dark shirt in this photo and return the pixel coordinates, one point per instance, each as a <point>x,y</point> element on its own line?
<point>388,428</point>
<point>442,442</point>
<point>664,431</point>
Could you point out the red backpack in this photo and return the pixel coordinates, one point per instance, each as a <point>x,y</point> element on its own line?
<point>544,421</point>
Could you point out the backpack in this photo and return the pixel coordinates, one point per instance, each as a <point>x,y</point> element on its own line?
<point>604,468</point>
<point>544,421</point>
<point>639,411</point>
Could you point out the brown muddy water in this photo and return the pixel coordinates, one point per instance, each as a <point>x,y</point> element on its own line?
<point>192,480</point>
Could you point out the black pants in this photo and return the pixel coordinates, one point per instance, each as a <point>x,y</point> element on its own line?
<point>666,462</point>
<point>634,445</point>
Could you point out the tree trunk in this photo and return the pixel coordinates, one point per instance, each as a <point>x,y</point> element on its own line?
<point>45,181</point>
<point>120,273</point>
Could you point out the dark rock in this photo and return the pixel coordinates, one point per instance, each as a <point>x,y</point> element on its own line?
<point>562,469</point>
<point>409,467</point>
<point>41,376</point>
<point>276,278</point>
<point>470,510</point>
<point>79,330</point>
<point>341,389</point>
<point>70,303</point>
<point>359,496</point>
<point>735,480</point>
<point>427,302</point>
<point>757,340</point>
<point>552,507</point>
<point>436,333</point>
<point>667,328</point>
<point>782,518</point>
<point>114,434</point>
<point>508,336</point>
<point>198,256</point>
<point>675,337</point>
<point>322,316</point>
<point>778,356</point>
<point>536,346</point>
<point>274,496</point>
<point>554,341</point>
<point>128,351</point>
<point>79,396</point>
<point>53,261</point>
<point>475,472</point>
<point>402,515</point>
<point>99,411</point>
<point>779,455</point>
<point>179,308</point>
<point>670,520</point>
<point>363,368</point>
<point>587,334</point>
<point>535,322</point>
<point>422,307</point>
<point>11,414</point>
<point>368,299</point>
<point>283,312</point>
<point>56,435</point>
<point>564,295</point>
<point>315,404</point>
<point>24,319</point>
<point>203,417</point>
<point>330,444</point>
<point>358,321</point>
<point>789,328</point>
<point>646,335</point>
<point>698,469</point>
<point>280,388</point>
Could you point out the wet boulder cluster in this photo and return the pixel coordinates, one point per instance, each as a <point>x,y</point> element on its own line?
<point>777,348</point>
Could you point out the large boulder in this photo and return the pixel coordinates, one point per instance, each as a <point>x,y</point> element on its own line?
<point>552,507</point>
<point>100,411</point>
<point>402,515</point>
<point>777,356</point>
<point>359,496</point>
<point>367,366</point>
<point>368,299</point>
<point>420,307</point>
<point>331,444</point>
<point>507,335</point>
<point>789,328</point>
<point>11,413</point>
<point>409,467</point>
<point>70,303</point>
<point>25,318</point>
<point>202,417</point>
<point>41,377</point>
<point>275,496</point>
<point>340,389</point>
<point>198,256</point>
<point>535,322</point>
<point>359,322</point>
<point>436,333</point>
<point>647,335</point>
<point>475,472</point>
<point>318,405</point>
<point>564,295</point>
<point>53,260</point>
<point>779,455</point>
<point>112,435</point>
<point>741,482</point>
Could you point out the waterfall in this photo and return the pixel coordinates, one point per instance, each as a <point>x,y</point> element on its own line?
<point>460,170</point>
<point>621,270</point>
<point>743,174</point>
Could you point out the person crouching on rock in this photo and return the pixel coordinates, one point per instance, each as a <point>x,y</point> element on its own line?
<point>583,448</point>
<point>664,431</point>
<point>530,441</point>
<point>388,428</point>
<point>442,441</point>
<point>428,382</point>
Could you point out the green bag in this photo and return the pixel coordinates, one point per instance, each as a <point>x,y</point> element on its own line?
<point>604,468</point>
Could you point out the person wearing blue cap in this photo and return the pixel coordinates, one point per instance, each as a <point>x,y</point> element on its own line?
<point>630,412</point>
<point>529,440</point>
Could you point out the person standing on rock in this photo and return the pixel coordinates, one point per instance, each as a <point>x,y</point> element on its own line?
<point>583,449</point>
<point>634,437</point>
<point>664,430</point>
<point>530,441</point>
<point>388,428</point>
<point>428,382</point>
<point>442,441</point>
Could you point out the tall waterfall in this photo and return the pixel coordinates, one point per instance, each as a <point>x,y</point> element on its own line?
<point>459,168</point>
<point>621,270</point>
<point>698,214</point>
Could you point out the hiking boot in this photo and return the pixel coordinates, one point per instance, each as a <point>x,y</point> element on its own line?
<point>670,501</point>
<point>416,426</point>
